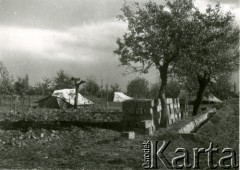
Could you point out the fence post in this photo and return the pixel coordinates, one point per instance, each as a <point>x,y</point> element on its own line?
<point>107,95</point>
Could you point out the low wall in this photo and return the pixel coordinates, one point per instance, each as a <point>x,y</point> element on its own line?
<point>190,127</point>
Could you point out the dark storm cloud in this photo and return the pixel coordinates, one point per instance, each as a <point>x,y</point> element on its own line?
<point>38,67</point>
<point>57,14</point>
<point>39,37</point>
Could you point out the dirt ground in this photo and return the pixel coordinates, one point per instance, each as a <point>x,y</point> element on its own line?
<point>99,146</point>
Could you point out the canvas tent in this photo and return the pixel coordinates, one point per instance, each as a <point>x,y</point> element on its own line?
<point>63,99</point>
<point>120,97</point>
<point>69,95</point>
<point>214,99</point>
<point>53,102</point>
<point>206,100</point>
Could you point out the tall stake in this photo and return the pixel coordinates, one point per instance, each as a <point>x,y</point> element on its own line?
<point>77,83</point>
<point>101,91</point>
<point>107,94</point>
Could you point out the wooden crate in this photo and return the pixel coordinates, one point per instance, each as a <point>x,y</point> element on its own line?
<point>146,124</point>
<point>129,135</point>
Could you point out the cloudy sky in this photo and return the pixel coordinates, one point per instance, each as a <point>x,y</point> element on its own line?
<point>39,38</point>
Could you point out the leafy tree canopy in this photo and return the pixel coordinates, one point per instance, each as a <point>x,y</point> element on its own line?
<point>156,34</point>
<point>91,87</point>
<point>138,88</point>
<point>213,53</point>
<point>22,86</point>
<point>63,80</point>
<point>6,81</point>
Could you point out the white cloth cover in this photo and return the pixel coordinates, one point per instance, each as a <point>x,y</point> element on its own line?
<point>69,95</point>
<point>120,97</point>
<point>214,99</point>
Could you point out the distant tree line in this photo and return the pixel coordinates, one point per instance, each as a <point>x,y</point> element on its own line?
<point>137,88</point>
<point>46,86</point>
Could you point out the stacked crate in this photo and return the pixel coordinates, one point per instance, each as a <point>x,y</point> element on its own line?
<point>173,107</point>
<point>174,113</point>
<point>143,116</point>
<point>138,116</point>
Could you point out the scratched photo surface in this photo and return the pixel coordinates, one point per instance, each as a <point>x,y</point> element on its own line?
<point>114,84</point>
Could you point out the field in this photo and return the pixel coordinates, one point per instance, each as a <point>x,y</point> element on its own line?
<point>68,139</point>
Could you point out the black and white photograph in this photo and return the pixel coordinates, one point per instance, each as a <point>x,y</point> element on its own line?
<point>119,84</point>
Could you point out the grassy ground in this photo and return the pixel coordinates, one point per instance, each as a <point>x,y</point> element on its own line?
<point>94,147</point>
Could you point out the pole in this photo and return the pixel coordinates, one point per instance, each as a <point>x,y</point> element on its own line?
<point>77,83</point>
<point>101,92</point>
<point>101,88</point>
<point>76,96</point>
<point>107,94</point>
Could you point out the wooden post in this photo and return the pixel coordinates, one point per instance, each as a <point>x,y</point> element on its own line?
<point>101,92</point>
<point>76,96</point>
<point>107,94</point>
<point>77,83</point>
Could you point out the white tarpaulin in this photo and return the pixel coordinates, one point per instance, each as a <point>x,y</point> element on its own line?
<point>69,95</point>
<point>120,97</point>
<point>212,98</point>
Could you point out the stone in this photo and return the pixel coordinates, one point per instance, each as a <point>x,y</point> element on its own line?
<point>146,124</point>
<point>129,135</point>
<point>169,100</point>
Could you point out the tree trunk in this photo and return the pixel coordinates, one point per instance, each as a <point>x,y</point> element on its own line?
<point>203,82</point>
<point>161,95</point>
